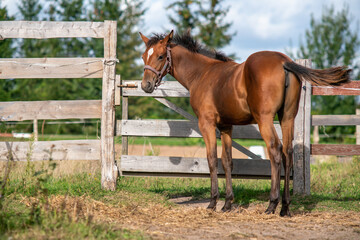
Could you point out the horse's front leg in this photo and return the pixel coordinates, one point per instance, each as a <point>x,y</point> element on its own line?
<point>208,130</point>
<point>226,159</point>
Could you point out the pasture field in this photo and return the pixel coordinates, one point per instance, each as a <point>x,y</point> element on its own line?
<point>42,200</point>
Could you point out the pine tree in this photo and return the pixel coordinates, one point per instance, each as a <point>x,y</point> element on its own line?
<point>329,42</point>
<point>128,15</point>
<point>213,30</point>
<point>186,15</point>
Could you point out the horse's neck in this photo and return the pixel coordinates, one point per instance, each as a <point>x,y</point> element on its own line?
<point>187,66</point>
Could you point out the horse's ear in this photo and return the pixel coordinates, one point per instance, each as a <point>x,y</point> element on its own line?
<point>145,39</point>
<point>169,37</point>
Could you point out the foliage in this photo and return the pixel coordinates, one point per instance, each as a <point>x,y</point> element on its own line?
<point>6,51</point>
<point>213,30</point>
<point>329,42</point>
<point>205,18</point>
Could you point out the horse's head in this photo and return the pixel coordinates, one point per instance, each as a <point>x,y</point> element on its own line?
<point>157,60</point>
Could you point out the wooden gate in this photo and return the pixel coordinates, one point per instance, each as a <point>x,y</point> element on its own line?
<point>82,109</point>
<point>255,167</point>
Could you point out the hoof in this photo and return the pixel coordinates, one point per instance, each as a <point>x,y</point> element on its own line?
<point>285,212</point>
<point>272,207</point>
<point>226,207</point>
<point>212,206</point>
<point>270,211</point>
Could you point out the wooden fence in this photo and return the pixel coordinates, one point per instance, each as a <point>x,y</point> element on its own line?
<point>134,165</point>
<point>82,109</point>
<point>255,167</point>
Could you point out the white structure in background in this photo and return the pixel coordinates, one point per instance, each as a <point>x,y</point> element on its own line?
<point>22,135</point>
<point>258,150</point>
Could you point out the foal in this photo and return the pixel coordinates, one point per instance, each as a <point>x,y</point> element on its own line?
<point>224,93</point>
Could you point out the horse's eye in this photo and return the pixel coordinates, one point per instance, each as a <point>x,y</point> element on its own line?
<point>160,57</point>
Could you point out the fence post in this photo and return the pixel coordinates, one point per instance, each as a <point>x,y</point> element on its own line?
<point>301,167</point>
<point>108,167</point>
<point>35,130</point>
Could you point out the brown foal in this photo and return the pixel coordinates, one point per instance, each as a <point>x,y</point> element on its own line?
<point>224,93</point>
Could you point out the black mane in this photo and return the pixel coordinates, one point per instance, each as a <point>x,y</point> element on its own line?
<point>187,41</point>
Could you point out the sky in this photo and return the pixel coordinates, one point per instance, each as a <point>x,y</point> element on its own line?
<point>259,24</point>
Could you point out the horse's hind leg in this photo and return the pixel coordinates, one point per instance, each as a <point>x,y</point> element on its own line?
<point>208,130</point>
<point>274,148</point>
<point>226,160</point>
<point>286,116</point>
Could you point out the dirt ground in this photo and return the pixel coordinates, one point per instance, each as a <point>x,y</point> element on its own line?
<point>187,219</point>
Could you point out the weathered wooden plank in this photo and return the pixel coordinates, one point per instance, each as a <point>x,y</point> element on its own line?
<point>307,135</point>
<point>351,88</point>
<point>335,149</point>
<point>125,115</point>
<point>109,170</point>
<point>48,29</point>
<point>182,128</point>
<point>51,68</point>
<point>182,165</point>
<point>21,111</point>
<point>335,120</point>
<point>175,108</point>
<point>117,91</point>
<point>55,150</point>
<point>166,89</point>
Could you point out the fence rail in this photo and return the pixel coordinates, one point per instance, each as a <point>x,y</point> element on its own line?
<point>64,68</point>
<point>353,89</point>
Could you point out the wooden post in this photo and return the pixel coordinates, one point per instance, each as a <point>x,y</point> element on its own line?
<point>125,116</point>
<point>35,130</point>
<point>358,128</point>
<point>301,167</point>
<point>316,135</point>
<point>108,167</point>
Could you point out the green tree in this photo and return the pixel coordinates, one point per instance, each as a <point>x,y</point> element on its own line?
<point>128,15</point>
<point>329,42</point>
<point>213,29</point>
<point>185,16</point>
<point>6,51</point>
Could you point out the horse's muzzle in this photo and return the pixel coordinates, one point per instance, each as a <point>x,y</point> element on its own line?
<point>147,86</point>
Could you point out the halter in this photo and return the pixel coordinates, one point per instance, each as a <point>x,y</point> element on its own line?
<point>166,67</point>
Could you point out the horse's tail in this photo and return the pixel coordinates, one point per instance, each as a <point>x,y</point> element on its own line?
<point>325,77</point>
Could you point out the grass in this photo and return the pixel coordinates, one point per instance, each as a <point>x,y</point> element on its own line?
<point>335,187</point>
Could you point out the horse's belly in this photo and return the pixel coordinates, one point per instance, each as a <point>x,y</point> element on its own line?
<point>235,113</point>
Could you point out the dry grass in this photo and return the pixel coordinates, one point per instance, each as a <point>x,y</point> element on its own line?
<point>167,222</point>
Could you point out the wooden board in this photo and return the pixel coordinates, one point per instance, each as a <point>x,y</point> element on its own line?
<point>48,29</point>
<point>335,149</point>
<point>21,111</point>
<point>335,120</point>
<point>55,150</point>
<point>132,165</point>
<point>166,89</point>
<point>182,128</point>
<point>352,88</point>
<point>109,171</point>
<point>51,68</point>
<point>301,143</point>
